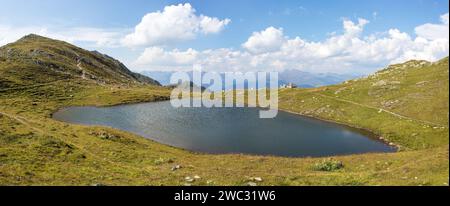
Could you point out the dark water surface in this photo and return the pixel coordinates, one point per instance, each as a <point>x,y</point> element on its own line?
<point>228,130</point>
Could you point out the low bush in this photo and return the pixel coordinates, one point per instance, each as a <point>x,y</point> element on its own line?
<point>328,165</point>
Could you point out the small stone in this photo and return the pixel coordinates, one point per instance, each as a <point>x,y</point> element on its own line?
<point>251,184</point>
<point>187,184</point>
<point>258,179</point>
<point>176,167</point>
<point>98,185</point>
<point>380,83</point>
<point>189,179</point>
<point>196,177</point>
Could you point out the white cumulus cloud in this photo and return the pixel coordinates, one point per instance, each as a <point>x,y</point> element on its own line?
<point>434,31</point>
<point>157,56</point>
<point>270,39</point>
<point>175,23</point>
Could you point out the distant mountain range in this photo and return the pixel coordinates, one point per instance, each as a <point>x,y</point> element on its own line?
<point>299,78</point>
<point>308,80</point>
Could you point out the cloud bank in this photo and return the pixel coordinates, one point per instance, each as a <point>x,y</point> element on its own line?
<point>350,51</point>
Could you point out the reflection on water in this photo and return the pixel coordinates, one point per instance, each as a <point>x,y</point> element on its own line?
<point>228,130</point>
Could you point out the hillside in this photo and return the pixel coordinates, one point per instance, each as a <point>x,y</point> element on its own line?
<point>35,59</point>
<point>406,104</point>
<point>37,150</point>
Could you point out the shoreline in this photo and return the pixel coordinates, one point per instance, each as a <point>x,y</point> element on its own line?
<point>376,136</point>
<point>370,134</point>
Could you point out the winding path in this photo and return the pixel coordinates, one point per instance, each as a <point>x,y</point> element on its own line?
<point>383,110</point>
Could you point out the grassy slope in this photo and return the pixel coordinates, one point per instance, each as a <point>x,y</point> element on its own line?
<point>36,150</point>
<point>39,60</point>
<point>405,104</point>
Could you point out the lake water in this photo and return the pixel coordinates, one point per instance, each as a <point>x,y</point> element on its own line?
<point>229,130</point>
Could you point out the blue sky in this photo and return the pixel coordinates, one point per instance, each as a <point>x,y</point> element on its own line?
<point>312,21</point>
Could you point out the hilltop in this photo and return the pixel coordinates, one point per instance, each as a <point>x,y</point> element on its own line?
<point>35,59</point>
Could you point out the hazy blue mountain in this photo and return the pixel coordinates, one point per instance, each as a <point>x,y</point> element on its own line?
<point>299,78</point>
<point>307,79</point>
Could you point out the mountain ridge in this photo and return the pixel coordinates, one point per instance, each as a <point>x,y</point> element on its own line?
<point>38,59</point>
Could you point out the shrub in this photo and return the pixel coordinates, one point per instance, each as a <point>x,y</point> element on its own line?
<point>328,165</point>
<point>161,161</point>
